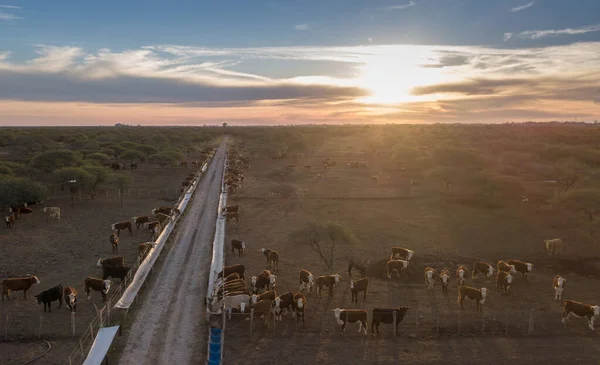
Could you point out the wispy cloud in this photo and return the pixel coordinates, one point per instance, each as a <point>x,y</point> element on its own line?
<point>6,17</point>
<point>400,6</point>
<point>301,27</point>
<point>537,34</point>
<point>10,7</point>
<point>522,7</point>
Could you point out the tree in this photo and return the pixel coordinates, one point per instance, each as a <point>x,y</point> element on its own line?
<point>51,160</point>
<point>17,190</point>
<point>99,157</point>
<point>132,155</point>
<point>518,160</point>
<point>5,170</point>
<point>74,177</point>
<point>567,172</point>
<point>115,148</point>
<point>448,175</point>
<point>224,124</point>
<point>98,175</point>
<point>459,157</point>
<point>165,158</point>
<point>146,149</point>
<point>586,200</point>
<point>121,181</point>
<point>322,238</point>
<point>129,145</point>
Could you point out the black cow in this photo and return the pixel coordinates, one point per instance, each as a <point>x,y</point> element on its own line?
<point>50,295</point>
<point>386,315</point>
<point>114,272</point>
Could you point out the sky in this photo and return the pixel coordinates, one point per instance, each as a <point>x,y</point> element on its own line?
<point>297,62</point>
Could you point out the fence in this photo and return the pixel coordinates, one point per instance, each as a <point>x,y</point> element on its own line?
<point>103,316</point>
<point>55,193</point>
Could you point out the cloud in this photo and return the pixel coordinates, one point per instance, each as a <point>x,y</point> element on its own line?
<point>449,61</point>
<point>6,17</point>
<point>401,6</point>
<point>10,7</point>
<point>522,7</point>
<point>537,34</point>
<point>301,27</point>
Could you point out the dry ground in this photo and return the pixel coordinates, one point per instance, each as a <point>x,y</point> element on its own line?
<point>65,252</point>
<point>444,231</point>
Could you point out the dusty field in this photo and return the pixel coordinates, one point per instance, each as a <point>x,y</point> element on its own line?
<point>65,252</point>
<point>444,231</point>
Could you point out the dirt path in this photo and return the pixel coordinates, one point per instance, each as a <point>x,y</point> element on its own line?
<point>170,328</point>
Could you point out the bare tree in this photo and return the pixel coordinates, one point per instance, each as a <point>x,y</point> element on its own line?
<point>586,200</point>
<point>322,238</point>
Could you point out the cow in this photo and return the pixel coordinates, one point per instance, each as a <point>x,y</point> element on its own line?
<point>115,272</point>
<point>10,221</point>
<point>329,281</point>
<point>343,316</point>
<point>271,295</point>
<point>50,295</point>
<point>460,274</point>
<point>140,220</point>
<point>445,280</point>
<point>133,166</point>
<point>233,215</point>
<point>478,295</point>
<point>357,286</point>
<point>360,265</point>
<point>522,267</point>
<point>395,266</point>
<point>298,306</point>
<point>18,284</point>
<point>263,308</point>
<point>122,225</point>
<point>558,283</point>
<point>70,295</point>
<point>239,301</point>
<point>228,270</point>
<point>281,305</point>
<point>238,245</point>
<point>53,212</point>
<point>504,281</point>
<point>483,268</point>
<point>114,242</point>
<point>554,246</point>
<point>504,266</point>
<point>103,286</point>
<point>386,315</point>
<point>429,277</point>
<point>113,261</point>
<point>144,249</point>
<point>231,209</point>
<point>401,253</point>
<point>171,211</point>
<point>162,218</point>
<point>265,280</point>
<point>580,310</point>
<point>271,256</point>
<point>306,280</point>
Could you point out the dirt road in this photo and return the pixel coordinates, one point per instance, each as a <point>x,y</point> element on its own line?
<point>170,328</point>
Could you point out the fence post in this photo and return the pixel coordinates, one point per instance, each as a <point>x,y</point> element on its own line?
<point>417,316</point>
<point>482,324</point>
<point>108,311</point>
<point>251,320</point>
<point>107,192</point>
<point>6,328</point>
<point>40,329</point>
<point>394,315</point>
<point>506,323</point>
<point>530,327</point>
<point>70,363</point>
<point>91,332</point>
<point>81,348</point>
<point>459,322</point>
<point>79,194</point>
<point>437,323</point>
<point>72,323</point>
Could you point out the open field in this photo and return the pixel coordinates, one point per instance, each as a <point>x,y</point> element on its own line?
<point>65,251</point>
<point>445,228</point>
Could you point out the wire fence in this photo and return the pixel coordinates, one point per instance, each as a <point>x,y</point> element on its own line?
<point>56,193</point>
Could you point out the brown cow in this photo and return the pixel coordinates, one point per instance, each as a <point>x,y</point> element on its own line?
<point>299,306</point>
<point>71,298</point>
<point>357,286</point>
<point>122,225</point>
<point>478,295</point>
<point>329,281</point>
<point>343,316</point>
<point>271,256</point>
<point>140,220</point>
<point>18,284</point>
<point>114,242</point>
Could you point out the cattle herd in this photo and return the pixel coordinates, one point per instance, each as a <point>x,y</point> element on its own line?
<point>232,293</point>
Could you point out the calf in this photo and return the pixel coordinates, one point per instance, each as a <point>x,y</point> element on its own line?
<point>395,266</point>
<point>114,242</point>
<point>503,266</point>
<point>233,215</point>
<point>386,315</point>
<point>483,268</point>
<point>238,245</point>
<point>53,212</point>
<point>263,308</point>
<point>559,285</point>
<point>10,220</point>
<point>478,295</point>
<point>231,269</point>
<point>50,295</point>
<point>18,284</point>
<point>401,253</point>
<point>329,281</point>
<point>115,272</point>
<point>113,261</point>
<point>281,305</point>
<point>122,225</point>
<point>357,286</point>
<point>271,256</point>
<point>445,280</point>
<point>103,286</point>
<point>265,280</point>
<point>429,277</point>
<point>299,306</point>
<point>504,281</point>
<point>360,265</point>
<point>554,246</point>
<point>271,295</point>
<point>306,280</point>
<point>140,220</point>
<point>343,316</point>
<point>580,310</point>
<point>460,274</point>
<point>522,267</point>
<point>70,295</point>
